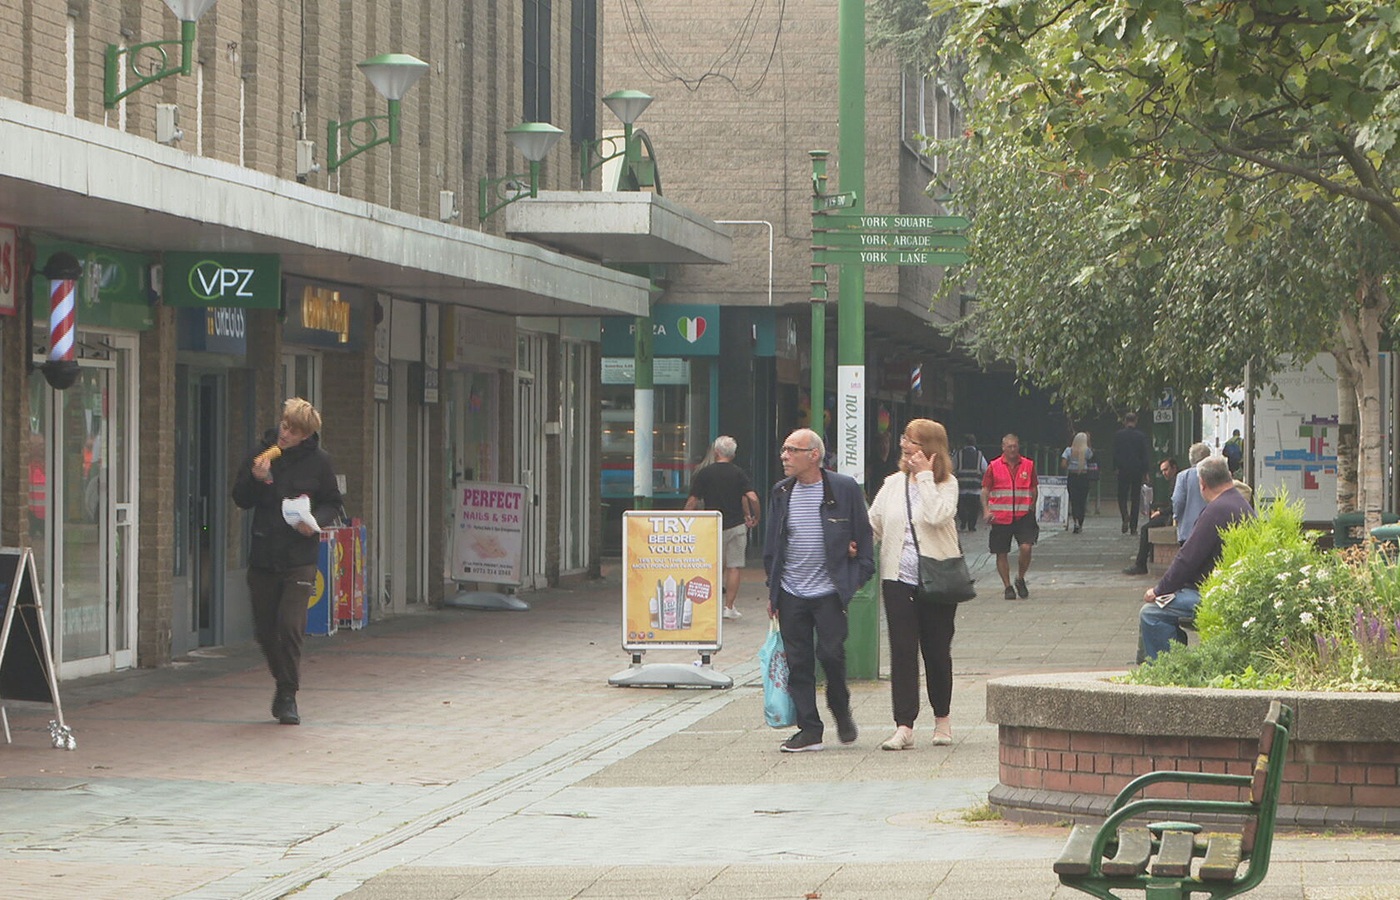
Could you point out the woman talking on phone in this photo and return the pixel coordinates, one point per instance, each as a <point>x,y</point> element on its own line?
<point>915,513</point>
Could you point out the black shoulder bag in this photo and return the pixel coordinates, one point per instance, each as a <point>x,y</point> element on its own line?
<point>940,580</point>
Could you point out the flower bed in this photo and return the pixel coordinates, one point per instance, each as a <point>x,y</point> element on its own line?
<point>1068,743</point>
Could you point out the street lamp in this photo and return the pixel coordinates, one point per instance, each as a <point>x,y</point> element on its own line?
<point>392,74</point>
<point>628,106</point>
<point>156,52</point>
<point>534,140</point>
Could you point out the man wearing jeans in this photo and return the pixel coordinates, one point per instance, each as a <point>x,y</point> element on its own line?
<point>1177,594</point>
<point>819,550</point>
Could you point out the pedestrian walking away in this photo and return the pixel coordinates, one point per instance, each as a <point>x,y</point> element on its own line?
<point>914,513</point>
<point>1132,458</point>
<point>723,486</point>
<point>971,466</point>
<point>1009,491</point>
<point>1078,463</point>
<point>288,464</point>
<point>818,550</point>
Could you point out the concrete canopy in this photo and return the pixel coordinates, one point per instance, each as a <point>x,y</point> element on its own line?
<point>95,184</point>
<point>620,226</point>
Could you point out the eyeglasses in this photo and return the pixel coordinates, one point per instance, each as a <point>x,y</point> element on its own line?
<point>790,450</point>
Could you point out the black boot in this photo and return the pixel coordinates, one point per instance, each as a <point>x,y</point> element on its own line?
<point>279,703</point>
<point>288,715</point>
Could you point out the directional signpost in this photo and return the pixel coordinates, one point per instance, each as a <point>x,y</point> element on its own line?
<point>886,240</point>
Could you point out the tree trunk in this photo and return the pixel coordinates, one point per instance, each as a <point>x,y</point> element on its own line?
<point>1360,334</point>
<point>1346,431</point>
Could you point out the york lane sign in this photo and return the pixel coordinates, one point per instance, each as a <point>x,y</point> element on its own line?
<point>888,257</point>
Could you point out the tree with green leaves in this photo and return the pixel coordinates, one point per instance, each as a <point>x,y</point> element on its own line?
<point>1271,106</point>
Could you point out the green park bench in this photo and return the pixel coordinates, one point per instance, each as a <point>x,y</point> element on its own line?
<point>1157,858</point>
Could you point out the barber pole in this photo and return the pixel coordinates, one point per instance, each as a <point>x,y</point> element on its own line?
<point>61,318</point>
<point>61,369</point>
<point>916,380</point>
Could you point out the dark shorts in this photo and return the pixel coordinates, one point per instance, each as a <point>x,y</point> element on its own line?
<point>1024,530</point>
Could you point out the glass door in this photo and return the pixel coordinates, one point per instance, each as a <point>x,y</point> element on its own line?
<point>200,488</point>
<point>577,451</point>
<point>82,507</point>
<point>531,377</point>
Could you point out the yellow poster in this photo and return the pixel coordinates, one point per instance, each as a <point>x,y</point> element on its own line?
<point>671,586</point>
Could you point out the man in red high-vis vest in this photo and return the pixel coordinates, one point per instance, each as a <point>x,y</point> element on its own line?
<point>1009,490</point>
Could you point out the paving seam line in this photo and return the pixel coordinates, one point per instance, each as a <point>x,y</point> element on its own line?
<point>663,718</point>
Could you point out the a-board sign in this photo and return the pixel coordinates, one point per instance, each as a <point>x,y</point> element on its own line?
<point>672,578</point>
<point>25,664</point>
<point>490,532</point>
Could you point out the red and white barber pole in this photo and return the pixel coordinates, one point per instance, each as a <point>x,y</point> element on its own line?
<point>916,380</point>
<point>63,271</point>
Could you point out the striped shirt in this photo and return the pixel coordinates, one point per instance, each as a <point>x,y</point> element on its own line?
<point>804,563</point>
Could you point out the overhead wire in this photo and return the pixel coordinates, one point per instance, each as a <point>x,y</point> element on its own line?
<point>660,63</point>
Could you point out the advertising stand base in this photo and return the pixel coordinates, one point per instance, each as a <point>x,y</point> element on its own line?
<point>26,659</point>
<point>671,675</point>
<point>485,600</point>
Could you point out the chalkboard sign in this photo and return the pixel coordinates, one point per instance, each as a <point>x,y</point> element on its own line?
<point>26,666</point>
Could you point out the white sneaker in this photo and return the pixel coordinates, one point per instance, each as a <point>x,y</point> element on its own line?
<point>731,613</point>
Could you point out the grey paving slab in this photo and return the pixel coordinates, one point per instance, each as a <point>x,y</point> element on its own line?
<point>482,755</point>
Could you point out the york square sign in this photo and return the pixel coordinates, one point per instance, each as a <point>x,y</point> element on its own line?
<point>246,280</point>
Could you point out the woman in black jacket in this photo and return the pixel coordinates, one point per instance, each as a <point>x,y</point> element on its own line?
<point>282,562</point>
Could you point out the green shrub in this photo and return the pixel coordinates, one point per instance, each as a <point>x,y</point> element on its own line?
<point>1278,613</point>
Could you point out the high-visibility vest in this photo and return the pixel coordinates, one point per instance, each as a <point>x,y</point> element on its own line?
<point>969,470</point>
<point>1010,496</point>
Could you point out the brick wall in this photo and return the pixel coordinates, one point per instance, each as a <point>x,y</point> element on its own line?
<point>1049,773</point>
<point>157,403</point>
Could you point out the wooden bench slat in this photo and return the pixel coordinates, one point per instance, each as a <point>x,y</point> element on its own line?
<point>1134,849</point>
<point>1074,859</point>
<point>1222,860</point>
<point>1174,858</point>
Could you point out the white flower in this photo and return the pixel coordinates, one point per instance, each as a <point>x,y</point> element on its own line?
<point>1306,569</point>
<point>1278,604</point>
<point>1247,622</point>
<point>1306,618</point>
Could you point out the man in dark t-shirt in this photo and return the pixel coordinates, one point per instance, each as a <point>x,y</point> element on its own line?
<point>725,487</point>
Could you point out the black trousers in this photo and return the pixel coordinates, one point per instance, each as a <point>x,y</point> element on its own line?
<point>969,511</point>
<point>799,620</point>
<point>1129,496</point>
<point>1079,484</point>
<point>279,619</point>
<point>916,627</point>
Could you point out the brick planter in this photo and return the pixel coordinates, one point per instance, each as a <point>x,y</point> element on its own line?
<point>1068,743</point>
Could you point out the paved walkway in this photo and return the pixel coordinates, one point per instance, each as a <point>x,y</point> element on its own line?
<point>457,753</point>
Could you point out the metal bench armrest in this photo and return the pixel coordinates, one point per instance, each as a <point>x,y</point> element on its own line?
<point>1172,777</point>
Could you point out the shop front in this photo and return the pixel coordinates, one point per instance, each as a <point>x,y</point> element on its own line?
<point>82,460</point>
<point>213,295</point>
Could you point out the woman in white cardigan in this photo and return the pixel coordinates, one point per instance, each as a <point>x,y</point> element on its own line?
<point>925,484</point>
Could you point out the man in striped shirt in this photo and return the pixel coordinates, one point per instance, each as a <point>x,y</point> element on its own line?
<point>818,551</point>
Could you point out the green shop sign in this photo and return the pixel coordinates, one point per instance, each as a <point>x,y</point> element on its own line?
<point>246,280</point>
<point>114,290</point>
<point>678,329</point>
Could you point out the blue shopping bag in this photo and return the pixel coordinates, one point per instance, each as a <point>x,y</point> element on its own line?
<point>778,708</point>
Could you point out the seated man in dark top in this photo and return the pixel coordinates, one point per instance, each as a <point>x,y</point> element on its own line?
<point>1161,515</point>
<point>1175,597</point>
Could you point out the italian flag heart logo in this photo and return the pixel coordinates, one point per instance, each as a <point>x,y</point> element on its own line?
<point>691,328</point>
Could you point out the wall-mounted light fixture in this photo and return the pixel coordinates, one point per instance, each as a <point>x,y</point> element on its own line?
<point>534,140</point>
<point>628,106</point>
<point>392,74</point>
<point>154,53</point>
